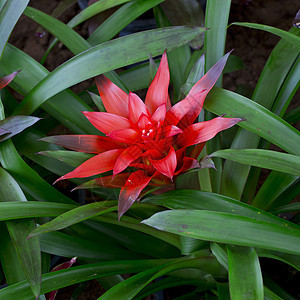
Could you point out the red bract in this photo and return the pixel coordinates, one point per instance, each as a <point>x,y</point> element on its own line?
<point>151,137</point>
<point>4,81</point>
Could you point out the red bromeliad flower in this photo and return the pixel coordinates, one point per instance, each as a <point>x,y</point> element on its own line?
<point>151,138</point>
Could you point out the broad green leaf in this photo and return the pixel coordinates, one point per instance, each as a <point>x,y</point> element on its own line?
<point>61,244</point>
<point>245,278</point>
<point>130,287</point>
<point>293,39</point>
<point>259,120</point>
<point>87,13</point>
<point>28,179</point>
<point>120,19</point>
<point>132,223</point>
<point>272,188</point>
<point>227,228</point>
<point>287,208</point>
<point>59,279</point>
<point>200,200</point>
<point>286,196</point>
<point>288,90</point>
<point>94,61</point>
<point>267,159</point>
<point>290,259</point>
<point>71,38</point>
<point>134,240</point>
<point>30,209</point>
<point>10,263</point>
<point>9,15</point>
<point>74,216</point>
<point>277,68</point>
<point>216,19</point>
<point>220,254</point>
<point>15,125</point>
<point>28,252</point>
<point>71,158</point>
<point>59,106</point>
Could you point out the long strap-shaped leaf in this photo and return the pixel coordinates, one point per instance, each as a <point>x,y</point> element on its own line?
<point>9,15</point>
<point>227,228</point>
<point>245,278</point>
<point>59,279</point>
<point>216,19</point>
<point>272,77</point>
<point>267,159</point>
<point>28,251</point>
<point>106,57</point>
<point>259,120</point>
<point>293,39</point>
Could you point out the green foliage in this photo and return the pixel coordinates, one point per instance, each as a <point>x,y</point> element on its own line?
<point>202,235</point>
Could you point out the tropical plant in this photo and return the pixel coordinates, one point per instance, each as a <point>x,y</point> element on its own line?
<point>214,230</point>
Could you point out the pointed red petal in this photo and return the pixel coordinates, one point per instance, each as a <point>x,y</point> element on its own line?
<point>107,181</point>
<point>84,143</point>
<point>4,81</point>
<point>136,108</point>
<point>187,110</point>
<point>187,164</point>
<point>98,164</point>
<point>126,158</point>
<point>128,136</point>
<point>204,131</point>
<point>106,122</point>
<point>167,165</point>
<point>144,121</point>
<point>158,90</point>
<point>159,114</point>
<point>130,192</point>
<point>171,130</point>
<point>115,100</point>
<point>66,265</point>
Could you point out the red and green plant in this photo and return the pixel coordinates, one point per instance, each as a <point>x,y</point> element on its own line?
<point>208,229</point>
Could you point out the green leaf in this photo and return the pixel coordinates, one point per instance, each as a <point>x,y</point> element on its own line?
<point>272,188</point>
<point>61,244</point>
<point>216,19</point>
<point>291,38</point>
<point>9,15</point>
<point>10,263</point>
<point>71,158</point>
<point>200,200</point>
<point>274,74</point>
<point>28,252</point>
<point>30,209</point>
<point>59,279</point>
<point>267,159</point>
<point>245,278</point>
<point>287,208</point>
<point>130,287</point>
<point>86,14</point>
<point>29,180</point>
<point>106,57</point>
<point>227,228</point>
<point>69,37</point>
<point>120,19</point>
<point>74,216</point>
<point>259,120</point>
<point>15,125</point>
<point>32,73</point>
